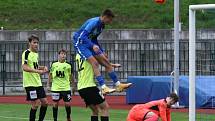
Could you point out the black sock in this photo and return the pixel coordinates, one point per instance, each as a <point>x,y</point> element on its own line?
<point>55,112</point>
<point>68,111</point>
<point>42,112</point>
<point>94,118</point>
<point>32,114</point>
<point>104,118</point>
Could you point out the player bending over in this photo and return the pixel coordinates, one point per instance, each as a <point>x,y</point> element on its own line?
<point>32,81</point>
<point>87,46</point>
<point>153,110</point>
<point>60,76</point>
<point>89,92</point>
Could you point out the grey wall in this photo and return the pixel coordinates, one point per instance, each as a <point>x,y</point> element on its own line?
<point>123,34</point>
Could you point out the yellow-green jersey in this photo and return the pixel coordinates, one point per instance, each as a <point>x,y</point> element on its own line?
<point>61,76</point>
<point>85,73</point>
<point>31,79</point>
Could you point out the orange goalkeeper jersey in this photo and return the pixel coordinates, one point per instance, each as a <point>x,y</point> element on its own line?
<point>159,107</point>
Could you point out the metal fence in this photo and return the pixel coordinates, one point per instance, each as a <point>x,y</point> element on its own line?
<point>138,58</point>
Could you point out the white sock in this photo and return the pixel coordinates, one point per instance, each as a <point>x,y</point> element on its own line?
<point>117,83</point>
<point>103,86</point>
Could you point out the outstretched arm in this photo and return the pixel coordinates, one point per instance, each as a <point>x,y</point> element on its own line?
<point>163,113</point>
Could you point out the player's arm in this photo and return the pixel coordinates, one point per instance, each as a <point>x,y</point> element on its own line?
<point>43,68</point>
<point>85,36</point>
<point>74,87</point>
<point>27,68</point>
<point>48,85</point>
<point>162,111</point>
<point>168,113</point>
<point>72,79</point>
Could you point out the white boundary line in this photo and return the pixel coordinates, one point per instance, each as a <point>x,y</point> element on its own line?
<point>21,118</point>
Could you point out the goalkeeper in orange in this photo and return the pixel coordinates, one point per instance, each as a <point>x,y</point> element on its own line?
<point>151,111</point>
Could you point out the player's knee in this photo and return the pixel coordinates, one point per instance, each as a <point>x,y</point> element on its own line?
<point>67,104</point>
<point>35,104</point>
<point>104,108</point>
<point>95,111</point>
<point>95,65</point>
<point>109,68</point>
<point>55,104</point>
<point>44,103</point>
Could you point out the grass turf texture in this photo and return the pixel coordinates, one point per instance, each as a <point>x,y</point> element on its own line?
<point>67,14</point>
<point>19,112</point>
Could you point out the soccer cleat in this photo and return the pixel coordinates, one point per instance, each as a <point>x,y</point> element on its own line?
<point>107,90</point>
<point>121,87</point>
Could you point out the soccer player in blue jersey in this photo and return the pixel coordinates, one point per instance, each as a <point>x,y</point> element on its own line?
<point>87,46</point>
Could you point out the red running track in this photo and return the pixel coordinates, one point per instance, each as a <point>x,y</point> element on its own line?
<point>115,102</point>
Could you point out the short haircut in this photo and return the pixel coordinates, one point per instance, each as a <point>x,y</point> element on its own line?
<point>33,37</point>
<point>108,13</point>
<point>62,50</point>
<point>174,96</point>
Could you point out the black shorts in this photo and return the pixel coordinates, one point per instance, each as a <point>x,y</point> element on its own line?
<point>58,95</point>
<point>34,93</point>
<point>91,96</point>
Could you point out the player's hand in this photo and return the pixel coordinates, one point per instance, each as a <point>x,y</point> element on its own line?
<point>74,89</point>
<point>40,71</point>
<point>48,88</point>
<point>96,49</point>
<point>46,69</point>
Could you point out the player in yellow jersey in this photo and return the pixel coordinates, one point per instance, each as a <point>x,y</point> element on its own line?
<point>32,81</point>
<point>89,92</point>
<point>60,77</point>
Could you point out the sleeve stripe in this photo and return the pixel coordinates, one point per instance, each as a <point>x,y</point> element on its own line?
<point>26,56</point>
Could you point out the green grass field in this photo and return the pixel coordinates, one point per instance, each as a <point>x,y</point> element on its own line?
<point>19,112</point>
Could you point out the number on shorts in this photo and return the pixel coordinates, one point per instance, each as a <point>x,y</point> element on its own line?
<point>33,94</point>
<point>55,96</point>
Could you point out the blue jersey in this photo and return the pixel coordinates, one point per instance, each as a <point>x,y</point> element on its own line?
<point>89,32</point>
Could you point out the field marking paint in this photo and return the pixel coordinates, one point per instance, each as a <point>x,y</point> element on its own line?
<point>21,118</point>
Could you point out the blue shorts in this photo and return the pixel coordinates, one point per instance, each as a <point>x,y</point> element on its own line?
<point>85,52</point>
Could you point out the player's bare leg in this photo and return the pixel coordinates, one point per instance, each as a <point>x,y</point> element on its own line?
<point>115,65</point>
<point>98,75</point>
<point>55,110</point>
<point>68,110</point>
<point>34,106</point>
<point>104,108</point>
<point>95,112</point>
<point>102,59</point>
<point>43,108</point>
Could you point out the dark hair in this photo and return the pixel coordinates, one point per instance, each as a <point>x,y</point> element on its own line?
<point>33,37</point>
<point>108,13</point>
<point>174,96</point>
<point>62,50</point>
